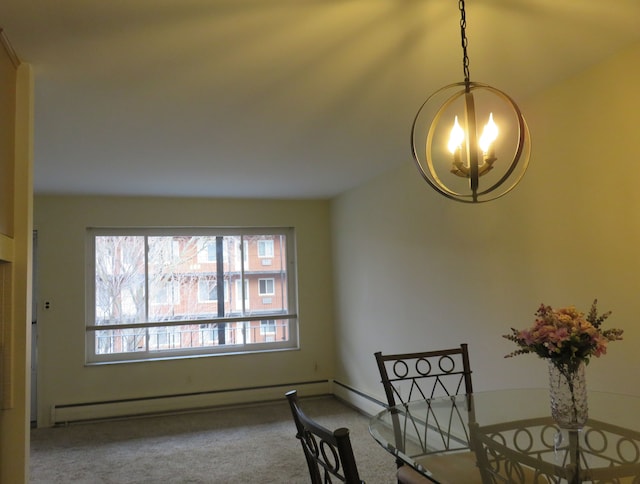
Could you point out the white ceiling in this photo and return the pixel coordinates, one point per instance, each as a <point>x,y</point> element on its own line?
<point>273,98</point>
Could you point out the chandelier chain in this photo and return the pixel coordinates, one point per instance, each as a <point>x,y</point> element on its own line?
<point>463,38</point>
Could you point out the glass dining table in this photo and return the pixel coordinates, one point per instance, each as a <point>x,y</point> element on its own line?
<point>508,436</point>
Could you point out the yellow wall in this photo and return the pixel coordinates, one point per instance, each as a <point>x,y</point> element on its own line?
<point>7,139</point>
<point>63,378</point>
<point>15,271</point>
<point>416,271</point>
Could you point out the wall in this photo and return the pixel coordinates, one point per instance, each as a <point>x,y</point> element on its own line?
<point>415,271</point>
<point>7,137</point>
<point>16,162</point>
<point>63,378</point>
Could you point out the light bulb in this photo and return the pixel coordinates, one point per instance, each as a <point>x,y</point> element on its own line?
<point>456,138</point>
<point>489,135</point>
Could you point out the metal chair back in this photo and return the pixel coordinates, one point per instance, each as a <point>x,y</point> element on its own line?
<point>328,453</point>
<point>424,375</point>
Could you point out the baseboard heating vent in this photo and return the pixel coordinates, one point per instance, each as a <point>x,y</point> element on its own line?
<point>134,407</point>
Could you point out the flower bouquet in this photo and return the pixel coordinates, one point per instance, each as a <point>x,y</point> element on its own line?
<point>567,338</point>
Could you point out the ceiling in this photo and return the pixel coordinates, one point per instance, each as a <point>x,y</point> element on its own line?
<point>273,98</point>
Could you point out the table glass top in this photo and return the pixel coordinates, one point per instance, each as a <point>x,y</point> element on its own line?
<point>511,437</point>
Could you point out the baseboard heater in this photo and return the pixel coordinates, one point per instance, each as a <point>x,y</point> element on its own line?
<point>135,407</point>
<point>362,401</point>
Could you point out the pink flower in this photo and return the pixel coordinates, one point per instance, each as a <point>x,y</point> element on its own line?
<point>565,335</point>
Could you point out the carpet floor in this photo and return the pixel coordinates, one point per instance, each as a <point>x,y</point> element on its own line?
<point>248,444</point>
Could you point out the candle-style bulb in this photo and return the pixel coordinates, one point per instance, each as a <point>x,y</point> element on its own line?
<point>456,138</point>
<point>489,135</point>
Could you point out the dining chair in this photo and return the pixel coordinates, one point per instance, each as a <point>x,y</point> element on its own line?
<point>498,464</point>
<point>423,376</point>
<point>329,454</point>
<point>537,451</point>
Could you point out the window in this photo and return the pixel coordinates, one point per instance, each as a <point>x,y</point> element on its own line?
<point>208,290</point>
<point>265,248</point>
<point>267,327</point>
<point>208,249</point>
<point>164,293</point>
<point>266,287</point>
<point>155,293</point>
<point>239,301</point>
<point>208,252</point>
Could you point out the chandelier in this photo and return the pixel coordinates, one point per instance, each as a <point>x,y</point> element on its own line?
<point>451,153</point>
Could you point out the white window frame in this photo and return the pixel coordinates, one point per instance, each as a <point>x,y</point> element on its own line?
<point>241,317</point>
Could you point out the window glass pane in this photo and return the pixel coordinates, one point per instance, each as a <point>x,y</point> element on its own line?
<point>270,330</point>
<point>189,336</point>
<point>191,266</point>
<point>119,280</point>
<point>129,340</point>
<point>167,260</point>
<point>268,295</point>
<point>208,284</point>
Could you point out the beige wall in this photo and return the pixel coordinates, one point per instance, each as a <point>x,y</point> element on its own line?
<point>416,271</point>
<point>7,137</point>
<point>15,274</point>
<point>63,378</point>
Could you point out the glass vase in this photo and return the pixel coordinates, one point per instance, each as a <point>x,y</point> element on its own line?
<point>568,395</point>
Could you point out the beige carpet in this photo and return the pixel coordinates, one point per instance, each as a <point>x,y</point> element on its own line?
<point>253,444</point>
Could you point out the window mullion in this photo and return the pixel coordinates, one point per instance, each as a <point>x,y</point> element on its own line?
<point>242,288</point>
<point>222,337</point>
<point>283,281</point>
<point>146,291</point>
